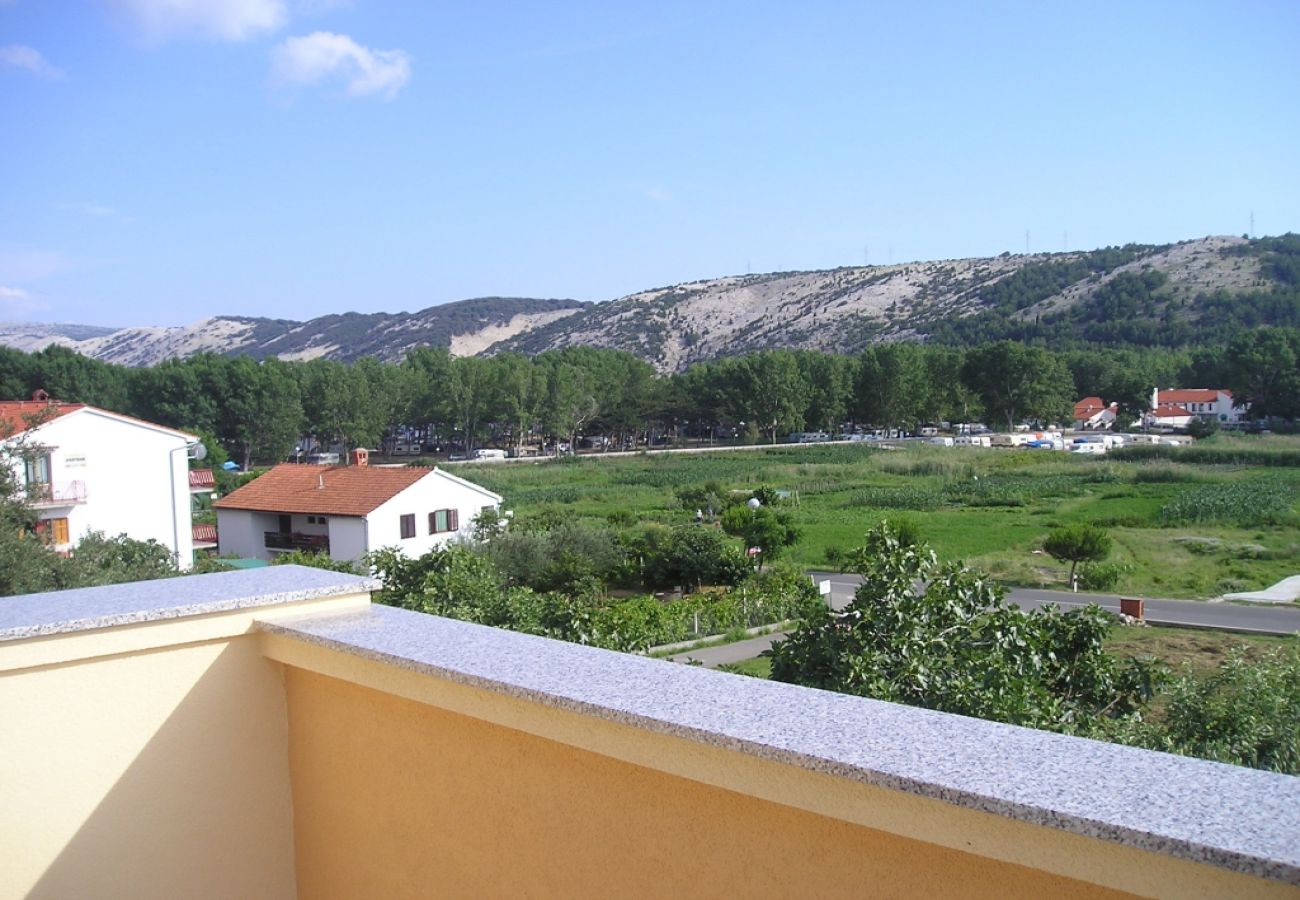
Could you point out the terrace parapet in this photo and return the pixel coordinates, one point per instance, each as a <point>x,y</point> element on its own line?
<point>271,733</point>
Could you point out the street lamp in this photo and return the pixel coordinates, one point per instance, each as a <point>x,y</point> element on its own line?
<point>195,451</point>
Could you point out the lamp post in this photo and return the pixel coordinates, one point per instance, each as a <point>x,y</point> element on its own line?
<point>195,450</point>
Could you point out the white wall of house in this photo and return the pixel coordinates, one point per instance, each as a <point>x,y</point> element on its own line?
<point>435,491</point>
<point>347,537</point>
<point>241,533</point>
<point>133,477</point>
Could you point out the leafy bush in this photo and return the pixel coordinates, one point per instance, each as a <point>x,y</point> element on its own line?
<point>1101,576</point>
<point>314,560</point>
<point>956,646</point>
<point>1247,713</point>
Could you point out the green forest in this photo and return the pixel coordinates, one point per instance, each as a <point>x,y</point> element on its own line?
<point>259,411</point>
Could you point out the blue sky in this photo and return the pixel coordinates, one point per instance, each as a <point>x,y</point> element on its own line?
<point>166,160</point>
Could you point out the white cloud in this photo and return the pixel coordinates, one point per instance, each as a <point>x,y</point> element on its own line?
<point>16,301</point>
<point>325,56</point>
<point>22,57</point>
<point>224,20</point>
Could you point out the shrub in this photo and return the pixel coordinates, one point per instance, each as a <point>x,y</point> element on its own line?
<point>1101,576</point>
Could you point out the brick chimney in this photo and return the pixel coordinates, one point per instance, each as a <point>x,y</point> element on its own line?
<point>361,457</point>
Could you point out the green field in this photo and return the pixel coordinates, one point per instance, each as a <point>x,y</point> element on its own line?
<point>1180,530</point>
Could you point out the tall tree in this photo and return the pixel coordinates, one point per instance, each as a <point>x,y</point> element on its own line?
<point>470,388</point>
<point>1263,369</point>
<point>830,388</point>
<point>521,391</point>
<point>570,400</point>
<point>775,391</point>
<point>893,385</point>
<point>1015,382</point>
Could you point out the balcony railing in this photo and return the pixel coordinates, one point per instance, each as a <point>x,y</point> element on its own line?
<point>281,540</point>
<point>46,494</point>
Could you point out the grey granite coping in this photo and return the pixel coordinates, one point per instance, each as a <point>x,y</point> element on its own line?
<point>1235,818</point>
<point>85,609</point>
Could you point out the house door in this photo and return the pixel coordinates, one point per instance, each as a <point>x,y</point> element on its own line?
<point>286,524</point>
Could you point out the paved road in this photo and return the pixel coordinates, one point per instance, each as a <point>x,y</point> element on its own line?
<point>1193,613</point>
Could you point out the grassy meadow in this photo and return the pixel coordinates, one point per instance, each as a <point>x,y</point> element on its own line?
<point>1226,522</point>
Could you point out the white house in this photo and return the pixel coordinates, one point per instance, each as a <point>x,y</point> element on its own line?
<point>347,511</point>
<point>1206,404</point>
<point>86,469</point>
<point>1091,413</point>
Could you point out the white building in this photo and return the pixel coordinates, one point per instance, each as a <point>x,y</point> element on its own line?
<point>1091,414</point>
<point>347,511</point>
<point>86,469</point>
<point>1206,404</point>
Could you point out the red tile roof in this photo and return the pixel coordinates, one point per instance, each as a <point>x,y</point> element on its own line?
<point>1088,407</point>
<point>202,480</point>
<point>1191,395</point>
<point>17,416</point>
<point>322,490</point>
<point>1168,411</point>
<point>204,534</point>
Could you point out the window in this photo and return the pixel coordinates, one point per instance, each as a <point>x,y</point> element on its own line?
<point>38,469</point>
<point>53,531</point>
<point>408,526</point>
<point>317,520</point>
<point>444,520</point>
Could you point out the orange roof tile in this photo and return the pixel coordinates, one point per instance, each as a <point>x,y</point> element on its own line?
<point>322,490</point>
<point>17,416</point>
<point>1087,407</point>
<point>1191,395</point>
<point>202,480</point>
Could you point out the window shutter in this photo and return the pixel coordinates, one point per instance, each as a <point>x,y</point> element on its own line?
<point>453,520</point>
<point>433,523</point>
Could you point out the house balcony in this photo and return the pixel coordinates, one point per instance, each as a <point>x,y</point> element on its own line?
<point>269,733</point>
<point>47,495</point>
<point>282,541</point>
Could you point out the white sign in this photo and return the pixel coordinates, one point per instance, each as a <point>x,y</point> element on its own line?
<point>824,587</point>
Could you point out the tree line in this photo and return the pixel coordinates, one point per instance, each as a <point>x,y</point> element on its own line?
<point>259,410</point>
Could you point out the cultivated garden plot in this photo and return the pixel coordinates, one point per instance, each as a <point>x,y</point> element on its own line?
<point>1224,520</point>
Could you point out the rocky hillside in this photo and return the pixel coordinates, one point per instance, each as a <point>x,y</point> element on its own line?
<point>1172,295</point>
<point>1085,296</point>
<point>32,336</point>
<point>466,326</point>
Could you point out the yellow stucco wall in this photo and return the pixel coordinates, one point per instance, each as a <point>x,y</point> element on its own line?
<point>395,798</point>
<point>157,774</point>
